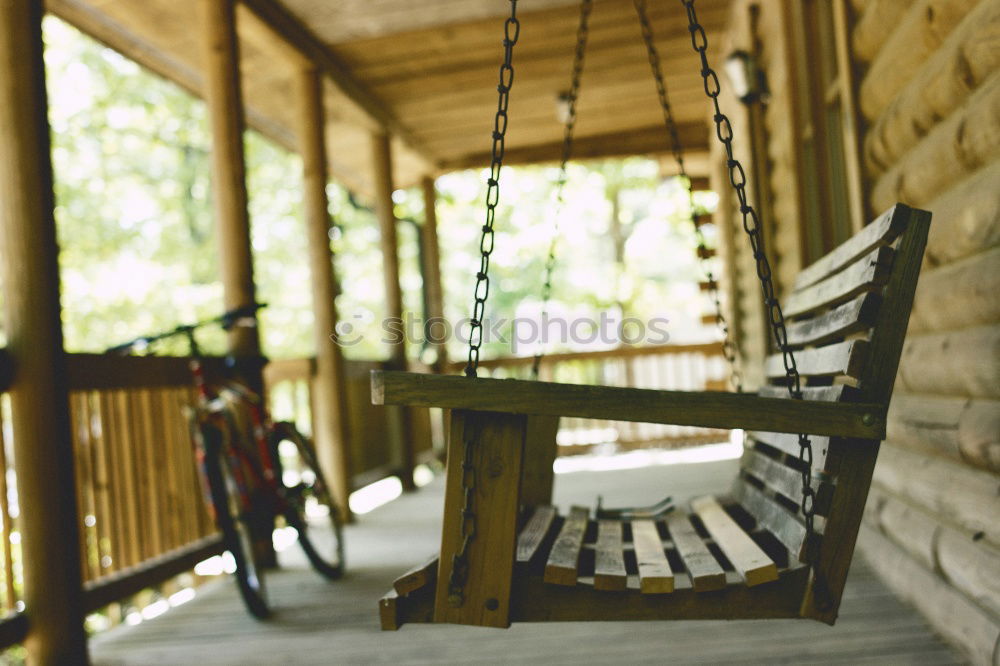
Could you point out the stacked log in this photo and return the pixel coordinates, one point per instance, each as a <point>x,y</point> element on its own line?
<point>931,96</point>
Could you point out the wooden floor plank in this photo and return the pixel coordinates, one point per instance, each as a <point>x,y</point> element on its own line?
<point>655,574</point>
<point>745,555</point>
<point>564,558</point>
<point>705,572</point>
<point>609,559</point>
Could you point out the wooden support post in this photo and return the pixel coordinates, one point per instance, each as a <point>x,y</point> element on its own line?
<point>432,275</point>
<point>497,458</point>
<point>225,107</point>
<point>53,591</point>
<point>382,160</point>
<point>330,415</point>
<point>540,449</point>
<point>221,59</point>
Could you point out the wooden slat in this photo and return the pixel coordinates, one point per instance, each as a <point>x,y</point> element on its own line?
<point>835,393</point>
<point>418,577</point>
<point>846,319</point>
<point>753,565</point>
<point>709,409</point>
<point>534,532</point>
<point>703,348</point>
<point>655,574</point>
<point>880,232</point>
<point>771,516</point>
<point>564,558</point>
<point>705,572</point>
<point>785,480</point>
<point>843,358</point>
<point>789,443</point>
<point>866,274</point>
<point>609,560</point>
<point>498,443</point>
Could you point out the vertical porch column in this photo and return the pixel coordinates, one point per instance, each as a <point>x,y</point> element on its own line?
<point>53,590</point>
<point>221,61</point>
<point>382,162</point>
<point>220,53</point>
<point>432,269</point>
<point>332,433</point>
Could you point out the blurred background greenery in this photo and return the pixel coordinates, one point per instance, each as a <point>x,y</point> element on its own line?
<point>139,253</point>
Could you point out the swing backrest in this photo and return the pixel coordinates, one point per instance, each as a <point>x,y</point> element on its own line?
<point>846,318</point>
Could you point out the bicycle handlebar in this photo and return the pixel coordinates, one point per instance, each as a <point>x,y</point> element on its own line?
<point>227,320</point>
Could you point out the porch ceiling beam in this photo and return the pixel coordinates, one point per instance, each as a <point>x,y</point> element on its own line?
<point>289,28</point>
<point>644,141</point>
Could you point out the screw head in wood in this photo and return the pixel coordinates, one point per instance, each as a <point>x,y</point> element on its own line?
<point>868,419</point>
<point>492,604</point>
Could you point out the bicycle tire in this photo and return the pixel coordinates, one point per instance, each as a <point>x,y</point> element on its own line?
<point>233,523</point>
<point>306,492</point>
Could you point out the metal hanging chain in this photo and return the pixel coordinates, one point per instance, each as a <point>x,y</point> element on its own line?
<point>728,346</point>
<point>567,149</point>
<point>460,560</point>
<point>751,225</point>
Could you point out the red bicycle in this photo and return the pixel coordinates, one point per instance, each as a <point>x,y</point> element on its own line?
<point>254,469</point>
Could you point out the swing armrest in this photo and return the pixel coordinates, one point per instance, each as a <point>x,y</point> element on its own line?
<point>710,409</point>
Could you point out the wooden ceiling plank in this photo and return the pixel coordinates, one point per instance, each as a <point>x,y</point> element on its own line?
<point>292,30</point>
<point>614,144</point>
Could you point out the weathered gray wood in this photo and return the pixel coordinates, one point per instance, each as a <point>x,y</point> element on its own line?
<point>789,443</point>
<point>785,480</point>
<point>655,574</point>
<point>534,532</point>
<point>866,274</point>
<point>845,319</point>
<point>705,572</point>
<point>709,409</point>
<point>843,358</point>
<point>773,517</point>
<point>564,558</point>
<point>881,232</point>
<point>753,565</point>
<point>609,559</point>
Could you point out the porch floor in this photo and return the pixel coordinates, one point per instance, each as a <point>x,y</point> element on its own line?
<point>332,623</point>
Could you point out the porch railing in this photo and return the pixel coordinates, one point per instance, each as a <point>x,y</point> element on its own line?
<point>141,510</point>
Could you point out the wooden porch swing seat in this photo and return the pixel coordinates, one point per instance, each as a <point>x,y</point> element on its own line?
<point>728,557</point>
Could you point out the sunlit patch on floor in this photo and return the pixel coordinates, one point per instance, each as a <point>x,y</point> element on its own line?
<point>375,495</point>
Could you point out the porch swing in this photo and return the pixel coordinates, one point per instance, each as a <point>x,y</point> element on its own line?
<point>779,545</point>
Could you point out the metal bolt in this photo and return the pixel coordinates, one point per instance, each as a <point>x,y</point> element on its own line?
<point>868,419</point>
<point>492,604</point>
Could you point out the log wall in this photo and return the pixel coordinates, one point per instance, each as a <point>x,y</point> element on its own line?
<point>928,91</point>
<point>930,95</point>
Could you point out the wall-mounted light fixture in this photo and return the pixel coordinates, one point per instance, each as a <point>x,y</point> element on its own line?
<point>747,79</point>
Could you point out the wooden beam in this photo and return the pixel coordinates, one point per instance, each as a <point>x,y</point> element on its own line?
<point>332,432</point>
<point>382,161</point>
<point>39,396</point>
<point>297,34</point>
<point>433,290</point>
<point>647,140</point>
<point>151,572</point>
<point>223,94</point>
<point>707,408</point>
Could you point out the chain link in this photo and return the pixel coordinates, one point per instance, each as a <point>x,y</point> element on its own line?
<point>567,150</point>
<point>460,560</point>
<point>728,346</point>
<point>751,225</point>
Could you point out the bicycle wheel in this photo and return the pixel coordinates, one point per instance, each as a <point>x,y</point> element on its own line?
<point>310,508</point>
<point>232,519</point>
